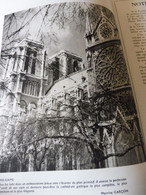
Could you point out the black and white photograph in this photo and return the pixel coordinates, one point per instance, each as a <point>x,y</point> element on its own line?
<point>66,102</point>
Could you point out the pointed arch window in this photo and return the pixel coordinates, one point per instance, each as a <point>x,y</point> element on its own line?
<point>75,66</point>
<point>30,61</point>
<point>33,67</point>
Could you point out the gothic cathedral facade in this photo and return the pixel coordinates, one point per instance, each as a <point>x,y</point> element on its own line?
<point>41,86</point>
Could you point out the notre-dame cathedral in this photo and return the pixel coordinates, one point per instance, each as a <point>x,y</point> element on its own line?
<point>37,85</point>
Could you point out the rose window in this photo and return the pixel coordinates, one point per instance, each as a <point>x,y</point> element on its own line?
<point>111,68</point>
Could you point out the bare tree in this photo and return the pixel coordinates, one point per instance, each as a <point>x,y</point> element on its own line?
<point>98,125</point>
<point>50,18</point>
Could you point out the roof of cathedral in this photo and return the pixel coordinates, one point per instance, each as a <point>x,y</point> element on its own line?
<point>66,52</point>
<point>31,41</point>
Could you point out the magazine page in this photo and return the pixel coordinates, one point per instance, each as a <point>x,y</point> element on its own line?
<point>69,121</point>
<point>133,34</point>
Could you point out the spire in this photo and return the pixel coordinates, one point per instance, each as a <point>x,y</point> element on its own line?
<point>88,25</point>
<point>101,11</point>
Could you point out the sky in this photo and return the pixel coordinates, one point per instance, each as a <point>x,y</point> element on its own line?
<point>57,26</point>
<point>71,37</point>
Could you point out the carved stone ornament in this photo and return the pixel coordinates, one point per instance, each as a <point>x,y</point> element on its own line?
<point>110,67</point>
<point>105,31</point>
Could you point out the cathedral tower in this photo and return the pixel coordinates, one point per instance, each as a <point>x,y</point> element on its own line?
<point>112,90</point>
<point>24,77</point>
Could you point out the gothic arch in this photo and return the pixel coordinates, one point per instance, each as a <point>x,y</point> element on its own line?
<point>75,66</point>
<point>33,105</point>
<point>32,108</point>
<point>9,100</point>
<point>23,105</point>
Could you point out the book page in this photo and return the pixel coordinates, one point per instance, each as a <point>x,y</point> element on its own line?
<point>133,32</point>
<point>68,117</point>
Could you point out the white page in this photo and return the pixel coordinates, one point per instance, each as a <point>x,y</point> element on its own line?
<point>132,47</point>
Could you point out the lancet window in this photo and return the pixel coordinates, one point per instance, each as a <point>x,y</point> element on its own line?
<point>30,61</point>
<point>31,88</point>
<point>75,66</point>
